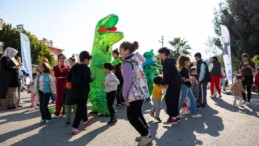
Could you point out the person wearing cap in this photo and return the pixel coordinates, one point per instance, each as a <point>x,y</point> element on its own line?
<point>203,79</point>
<point>80,79</point>
<point>247,68</point>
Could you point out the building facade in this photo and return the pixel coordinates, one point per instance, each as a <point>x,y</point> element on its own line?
<point>54,50</point>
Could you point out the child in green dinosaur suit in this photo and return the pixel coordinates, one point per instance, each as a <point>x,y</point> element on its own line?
<point>105,36</point>
<point>150,69</point>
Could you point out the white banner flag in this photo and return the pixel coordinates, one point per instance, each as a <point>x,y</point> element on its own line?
<point>26,56</point>
<point>225,42</point>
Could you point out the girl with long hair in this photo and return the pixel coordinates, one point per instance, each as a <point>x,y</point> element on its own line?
<point>183,64</point>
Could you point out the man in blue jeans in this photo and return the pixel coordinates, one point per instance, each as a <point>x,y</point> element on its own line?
<point>203,79</point>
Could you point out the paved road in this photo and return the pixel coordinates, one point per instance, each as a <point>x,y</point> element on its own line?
<point>221,125</point>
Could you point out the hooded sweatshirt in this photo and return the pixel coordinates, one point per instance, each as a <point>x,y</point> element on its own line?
<point>80,78</point>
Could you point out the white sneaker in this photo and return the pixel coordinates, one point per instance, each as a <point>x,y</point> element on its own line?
<point>243,102</point>
<point>21,101</point>
<point>247,103</point>
<point>235,105</point>
<point>145,141</point>
<point>36,107</point>
<point>196,116</point>
<point>55,116</point>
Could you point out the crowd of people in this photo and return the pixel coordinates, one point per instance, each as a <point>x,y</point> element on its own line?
<point>181,85</point>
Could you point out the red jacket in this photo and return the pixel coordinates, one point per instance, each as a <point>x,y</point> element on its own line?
<point>257,80</point>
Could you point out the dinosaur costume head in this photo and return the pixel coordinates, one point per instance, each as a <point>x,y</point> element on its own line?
<point>106,35</point>
<point>149,54</point>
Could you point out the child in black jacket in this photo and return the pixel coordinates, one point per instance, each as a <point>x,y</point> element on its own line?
<point>80,78</point>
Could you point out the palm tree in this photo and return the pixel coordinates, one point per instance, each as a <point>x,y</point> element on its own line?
<point>180,46</point>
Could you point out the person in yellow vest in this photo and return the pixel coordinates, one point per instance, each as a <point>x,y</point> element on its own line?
<point>156,98</point>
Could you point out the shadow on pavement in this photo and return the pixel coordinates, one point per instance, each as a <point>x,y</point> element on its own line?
<point>15,133</point>
<point>57,138</point>
<point>184,132</point>
<point>19,117</point>
<point>245,109</point>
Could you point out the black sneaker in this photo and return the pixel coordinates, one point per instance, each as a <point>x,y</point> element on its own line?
<point>112,121</point>
<point>67,122</point>
<point>203,105</point>
<point>151,113</point>
<point>148,99</point>
<point>158,119</point>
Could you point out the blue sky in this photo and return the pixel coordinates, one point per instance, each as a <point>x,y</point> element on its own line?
<point>70,23</point>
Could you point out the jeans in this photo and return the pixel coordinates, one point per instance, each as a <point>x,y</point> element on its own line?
<point>19,89</point>
<point>110,101</point>
<point>44,102</point>
<point>81,113</point>
<point>186,91</point>
<point>202,100</point>
<point>135,117</point>
<point>70,111</point>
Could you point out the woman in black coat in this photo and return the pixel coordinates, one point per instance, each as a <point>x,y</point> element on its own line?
<point>9,79</point>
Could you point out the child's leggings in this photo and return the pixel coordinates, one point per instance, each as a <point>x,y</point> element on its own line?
<point>238,98</point>
<point>34,99</point>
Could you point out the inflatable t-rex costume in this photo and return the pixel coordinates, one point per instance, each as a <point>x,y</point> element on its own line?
<point>106,35</point>
<point>150,68</point>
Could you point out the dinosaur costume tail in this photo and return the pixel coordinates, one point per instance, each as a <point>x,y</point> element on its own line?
<point>98,101</point>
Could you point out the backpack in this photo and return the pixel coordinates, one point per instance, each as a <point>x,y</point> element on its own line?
<point>139,87</point>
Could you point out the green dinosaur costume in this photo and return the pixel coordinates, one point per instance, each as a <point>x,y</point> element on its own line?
<point>106,35</point>
<point>150,69</point>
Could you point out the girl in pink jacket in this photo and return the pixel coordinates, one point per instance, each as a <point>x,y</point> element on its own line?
<point>237,89</point>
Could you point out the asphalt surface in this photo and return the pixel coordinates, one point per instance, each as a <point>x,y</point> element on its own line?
<point>221,125</point>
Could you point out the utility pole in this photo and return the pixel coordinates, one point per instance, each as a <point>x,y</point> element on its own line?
<point>162,41</point>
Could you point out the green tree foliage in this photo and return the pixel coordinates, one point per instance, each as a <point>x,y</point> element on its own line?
<point>11,38</point>
<point>212,48</point>
<point>256,60</point>
<point>242,19</point>
<point>180,46</point>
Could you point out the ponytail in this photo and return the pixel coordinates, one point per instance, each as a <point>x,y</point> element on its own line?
<point>132,47</point>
